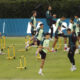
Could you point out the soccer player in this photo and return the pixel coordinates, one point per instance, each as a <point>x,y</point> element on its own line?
<point>49,19</point>
<point>73,27</point>
<point>38,38</point>
<point>72,45</point>
<point>74,30</point>
<point>33,27</point>
<point>33,23</point>
<point>78,28</point>
<point>78,22</point>
<point>44,49</point>
<point>58,31</point>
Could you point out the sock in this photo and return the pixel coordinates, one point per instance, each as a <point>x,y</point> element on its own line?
<point>0,51</point>
<point>65,45</point>
<point>27,42</point>
<point>73,66</point>
<point>40,71</point>
<point>52,49</point>
<point>37,52</point>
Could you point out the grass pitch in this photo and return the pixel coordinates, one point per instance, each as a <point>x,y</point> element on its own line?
<point>57,66</point>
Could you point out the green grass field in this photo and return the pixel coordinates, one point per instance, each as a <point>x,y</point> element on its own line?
<point>57,66</point>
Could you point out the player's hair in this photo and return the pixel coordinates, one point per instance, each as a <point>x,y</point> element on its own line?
<point>41,24</point>
<point>63,17</point>
<point>77,15</point>
<point>49,6</point>
<point>68,29</point>
<point>72,19</point>
<point>33,12</point>
<point>47,34</point>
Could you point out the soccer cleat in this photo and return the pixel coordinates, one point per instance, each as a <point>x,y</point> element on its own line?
<point>77,51</point>
<point>73,69</point>
<point>65,48</point>
<point>54,50</point>
<point>40,73</point>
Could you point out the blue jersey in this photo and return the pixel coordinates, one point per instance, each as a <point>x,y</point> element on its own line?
<point>72,39</point>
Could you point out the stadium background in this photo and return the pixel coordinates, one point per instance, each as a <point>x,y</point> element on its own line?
<point>21,11</point>
<point>24,8</point>
<point>21,27</point>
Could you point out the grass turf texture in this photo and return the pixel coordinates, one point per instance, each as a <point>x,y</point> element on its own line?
<point>57,65</point>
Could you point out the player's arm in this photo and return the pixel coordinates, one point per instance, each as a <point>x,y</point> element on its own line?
<point>74,28</point>
<point>48,15</point>
<point>31,21</point>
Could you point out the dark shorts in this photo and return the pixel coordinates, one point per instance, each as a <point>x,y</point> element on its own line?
<point>58,35</point>
<point>33,33</point>
<point>38,42</point>
<point>78,34</point>
<point>43,54</point>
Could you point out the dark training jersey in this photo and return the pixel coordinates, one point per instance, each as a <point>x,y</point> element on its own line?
<point>49,18</point>
<point>34,22</point>
<point>72,39</point>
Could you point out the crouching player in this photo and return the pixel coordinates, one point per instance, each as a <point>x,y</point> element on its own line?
<point>44,49</point>
<point>72,45</point>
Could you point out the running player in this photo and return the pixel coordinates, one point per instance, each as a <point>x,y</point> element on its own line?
<point>38,38</point>
<point>58,31</point>
<point>78,28</point>
<point>33,27</point>
<point>44,50</point>
<point>33,23</point>
<point>72,45</point>
<point>74,28</point>
<point>49,19</point>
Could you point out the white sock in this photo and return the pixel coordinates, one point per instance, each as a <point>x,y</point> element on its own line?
<point>73,66</point>
<point>0,51</point>
<point>37,52</point>
<point>52,49</point>
<point>40,71</point>
<point>65,45</point>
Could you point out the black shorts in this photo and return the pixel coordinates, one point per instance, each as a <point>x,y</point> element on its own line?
<point>43,54</point>
<point>58,35</point>
<point>78,34</point>
<point>38,42</point>
<point>33,33</point>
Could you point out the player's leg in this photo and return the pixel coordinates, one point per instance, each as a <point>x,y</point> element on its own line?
<point>43,57</point>
<point>65,43</point>
<point>30,44</point>
<point>54,44</point>
<point>38,49</point>
<point>71,54</point>
<point>51,32</point>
